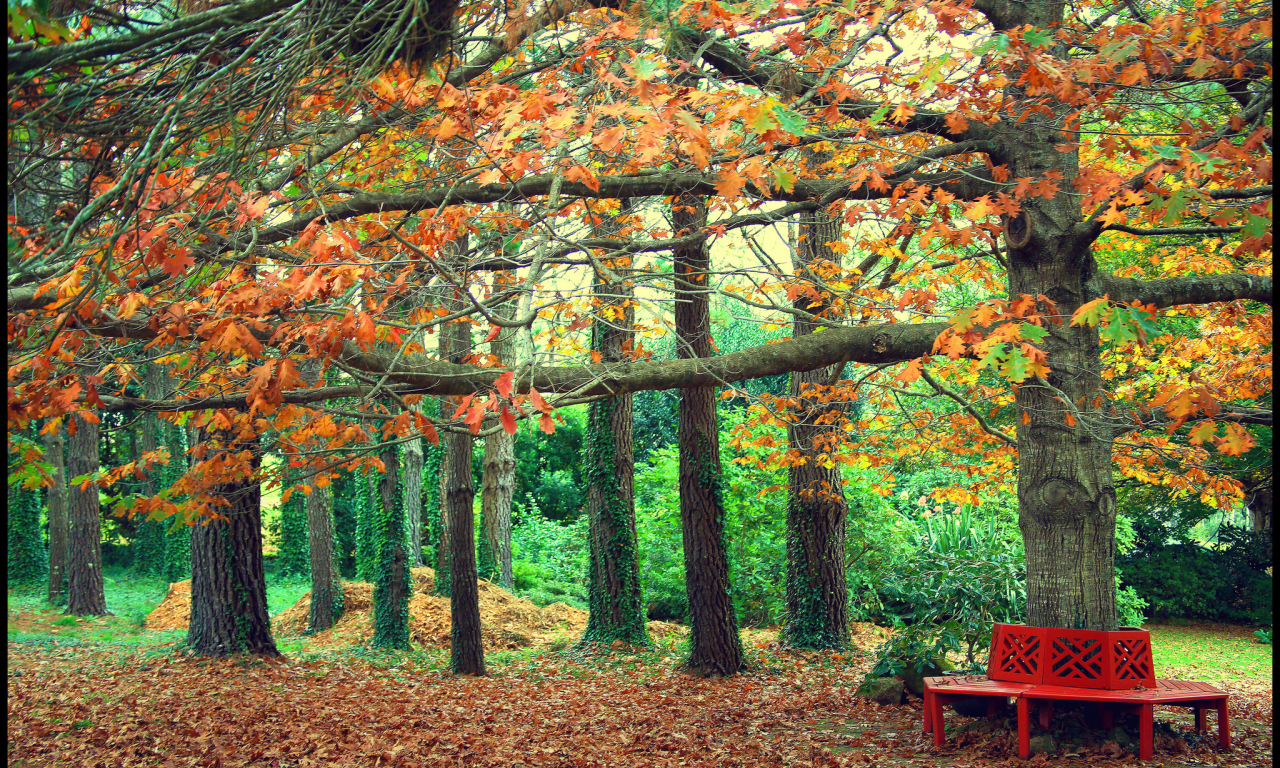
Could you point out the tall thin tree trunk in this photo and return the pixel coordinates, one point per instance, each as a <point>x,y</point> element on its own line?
<point>391,577</point>
<point>716,648</point>
<point>413,499</point>
<point>498,483</point>
<point>326,587</point>
<point>466,653</point>
<point>817,614</point>
<point>59,525</point>
<point>228,583</point>
<point>444,544</point>
<point>85,595</point>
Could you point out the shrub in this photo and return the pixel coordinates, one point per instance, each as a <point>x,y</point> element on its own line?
<point>1191,581</point>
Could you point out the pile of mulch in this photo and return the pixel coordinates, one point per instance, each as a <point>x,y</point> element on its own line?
<point>507,622</point>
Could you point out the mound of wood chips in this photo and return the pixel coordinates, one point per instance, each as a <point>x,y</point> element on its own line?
<point>507,622</point>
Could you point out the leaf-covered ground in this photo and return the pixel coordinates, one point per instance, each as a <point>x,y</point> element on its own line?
<point>97,705</point>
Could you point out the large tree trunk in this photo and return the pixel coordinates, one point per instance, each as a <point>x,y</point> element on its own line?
<point>817,595</point>
<point>715,646</point>
<point>498,483</point>
<point>466,653</point>
<point>228,584</point>
<point>391,574</point>
<point>616,602</point>
<point>1066,495</point>
<point>85,596</point>
<point>59,525</point>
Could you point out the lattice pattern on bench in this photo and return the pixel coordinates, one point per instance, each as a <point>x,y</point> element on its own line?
<point>1079,658</point>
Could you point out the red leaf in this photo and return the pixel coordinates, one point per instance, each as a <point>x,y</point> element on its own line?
<point>547,423</point>
<point>504,384</point>
<point>508,421</point>
<point>462,406</point>
<point>536,398</point>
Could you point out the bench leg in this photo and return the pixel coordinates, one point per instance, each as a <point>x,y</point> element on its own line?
<point>1105,713</point>
<point>928,703</point>
<point>1145,747</point>
<point>1224,725</point>
<point>994,705</point>
<point>1024,729</point>
<point>1046,713</point>
<point>935,719</point>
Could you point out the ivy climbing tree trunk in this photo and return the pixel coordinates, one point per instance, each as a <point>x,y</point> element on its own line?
<point>28,560</point>
<point>444,551</point>
<point>498,481</point>
<point>715,646</point>
<point>613,575</point>
<point>59,525</point>
<point>391,579</point>
<point>366,549</point>
<point>177,544</point>
<point>817,613</point>
<point>228,584</point>
<point>148,547</point>
<point>85,595</point>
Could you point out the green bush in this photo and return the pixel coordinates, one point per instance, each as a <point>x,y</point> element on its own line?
<point>1191,581</point>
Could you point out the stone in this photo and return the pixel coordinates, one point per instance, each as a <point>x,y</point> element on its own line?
<point>1121,738</point>
<point>915,680</point>
<point>884,690</point>
<point>975,706</point>
<point>1042,743</point>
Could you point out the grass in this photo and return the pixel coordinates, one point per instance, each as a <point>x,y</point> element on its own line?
<point>1208,651</point>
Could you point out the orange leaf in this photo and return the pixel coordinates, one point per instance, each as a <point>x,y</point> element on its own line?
<point>504,384</point>
<point>910,373</point>
<point>508,421</point>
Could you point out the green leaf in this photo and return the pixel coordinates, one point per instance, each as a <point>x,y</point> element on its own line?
<point>645,67</point>
<point>1032,332</point>
<point>1256,226</point>
<point>1168,153</point>
<point>994,356</point>
<point>1015,366</point>
<point>1176,206</point>
<point>1037,38</point>
<point>822,28</point>
<point>792,122</point>
<point>784,179</point>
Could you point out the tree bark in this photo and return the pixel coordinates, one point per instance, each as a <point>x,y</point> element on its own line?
<point>817,613</point>
<point>59,525</point>
<point>85,595</point>
<point>228,583</point>
<point>498,483</point>
<point>391,574</point>
<point>326,588</point>
<point>613,586</point>
<point>466,652</point>
<point>1066,495</point>
<point>413,499</point>
<point>715,646</point>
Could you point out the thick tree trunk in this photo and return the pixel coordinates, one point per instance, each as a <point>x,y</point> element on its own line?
<point>59,525</point>
<point>391,576</point>
<point>715,646</point>
<point>85,596</point>
<point>1066,495</point>
<point>228,584</point>
<point>817,593</point>
<point>326,588</point>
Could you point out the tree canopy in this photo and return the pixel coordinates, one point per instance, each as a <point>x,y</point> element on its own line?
<point>1056,220</point>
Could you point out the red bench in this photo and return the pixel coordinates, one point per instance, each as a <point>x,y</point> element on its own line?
<point>1038,665</point>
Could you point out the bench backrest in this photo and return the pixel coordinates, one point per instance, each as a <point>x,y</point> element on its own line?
<point>1079,658</point>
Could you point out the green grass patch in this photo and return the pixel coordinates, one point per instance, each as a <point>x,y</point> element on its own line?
<point>1208,651</point>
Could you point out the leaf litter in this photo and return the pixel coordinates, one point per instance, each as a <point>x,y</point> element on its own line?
<point>89,705</point>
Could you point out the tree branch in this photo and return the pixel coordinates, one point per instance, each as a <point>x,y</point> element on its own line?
<point>1194,289</point>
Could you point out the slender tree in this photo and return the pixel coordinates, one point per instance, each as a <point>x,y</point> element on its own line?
<point>59,524</point>
<point>498,481</point>
<point>228,583</point>
<point>177,544</point>
<point>327,597</point>
<point>715,646</point>
<point>85,595</point>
